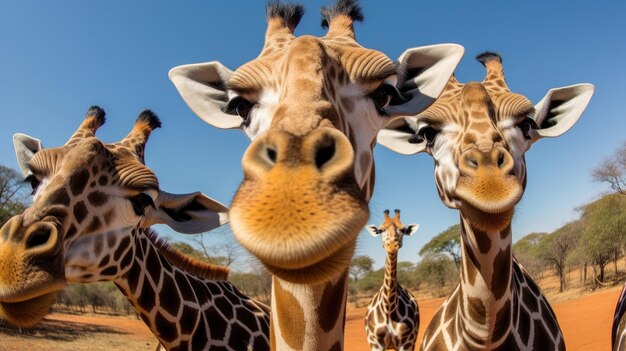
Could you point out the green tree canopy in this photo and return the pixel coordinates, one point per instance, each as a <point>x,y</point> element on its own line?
<point>359,266</point>
<point>448,241</point>
<point>604,231</point>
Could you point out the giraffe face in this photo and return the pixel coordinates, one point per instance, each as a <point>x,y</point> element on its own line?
<point>89,199</point>
<point>312,107</point>
<point>392,231</point>
<point>478,134</point>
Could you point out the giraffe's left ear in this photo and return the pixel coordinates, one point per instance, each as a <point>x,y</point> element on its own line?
<point>25,148</point>
<point>560,109</point>
<point>189,213</point>
<point>427,71</point>
<point>373,230</point>
<point>411,229</point>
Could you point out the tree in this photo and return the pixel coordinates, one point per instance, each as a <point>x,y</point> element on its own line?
<point>12,193</point>
<point>359,266</point>
<point>448,241</point>
<point>526,252</point>
<point>437,270</point>
<point>224,253</point>
<point>555,248</point>
<point>604,230</point>
<point>612,170</point>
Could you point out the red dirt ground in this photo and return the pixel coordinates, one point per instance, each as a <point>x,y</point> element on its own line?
<point>586,321</point>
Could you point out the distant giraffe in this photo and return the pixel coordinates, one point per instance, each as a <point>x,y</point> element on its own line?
<point>477,133</point>
<point>312,107</point>
<point>392,318</point>
<point>89,221</point>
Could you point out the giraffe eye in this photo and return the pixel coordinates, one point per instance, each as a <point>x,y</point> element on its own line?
<point>141,202</point>
<point>239,106</point>
<point>33,181</point>
<point>381,99</point>
<point>386,95</point>
<point>426,134</point>
<point>526,125</point>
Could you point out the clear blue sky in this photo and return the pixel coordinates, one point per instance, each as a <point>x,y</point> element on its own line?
<point>57,58</point>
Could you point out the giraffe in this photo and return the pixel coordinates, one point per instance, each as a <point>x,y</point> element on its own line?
<point>392,318</point>
<point>477,134</point>
<point>312,107</point>
<point>618,331</point>
<point>90,221</point>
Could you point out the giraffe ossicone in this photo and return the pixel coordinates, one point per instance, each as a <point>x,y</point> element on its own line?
<point>477,134</point>
<point>93,205</point>
<point>392,317</point>
<point>312,107</point>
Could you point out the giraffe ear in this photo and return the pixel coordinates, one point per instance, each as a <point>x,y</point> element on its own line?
<point>373,230</point>
<point>427,71</point>
<point>203,87</point>
<point>188,213</point>
<point>25,148</point>
<point>560,109</point>
<point>398,136</point>
<point>411,229</point>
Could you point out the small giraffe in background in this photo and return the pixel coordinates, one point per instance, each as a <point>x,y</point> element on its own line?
<point>392,318</point>
<point>93,205</point>
<point>478,134</point>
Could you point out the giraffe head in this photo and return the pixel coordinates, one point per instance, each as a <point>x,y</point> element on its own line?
<point>478,133</point>
<point>393,231</point>
<point>89,199</point>
<point>312,107</point>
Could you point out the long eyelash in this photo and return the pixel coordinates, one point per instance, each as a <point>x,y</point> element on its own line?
<point>231,106</point>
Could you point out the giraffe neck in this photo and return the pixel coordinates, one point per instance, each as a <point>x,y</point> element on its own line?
<point>390,286</point>
<point>308,316</point>
<point>178,306</point>
<point>486,283</point>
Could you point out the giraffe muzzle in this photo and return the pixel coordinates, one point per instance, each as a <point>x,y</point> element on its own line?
<point>487,182</point>
<point>299,202</point>
<point>30,271</point>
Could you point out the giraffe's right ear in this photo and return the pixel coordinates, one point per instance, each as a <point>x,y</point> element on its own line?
<point>427,70</point>
<point>203,87</point>
<point>398,136</point>
<point>373,230</point>
<point>25,148</point>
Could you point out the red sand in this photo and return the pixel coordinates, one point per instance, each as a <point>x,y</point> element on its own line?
<point>586,321</point>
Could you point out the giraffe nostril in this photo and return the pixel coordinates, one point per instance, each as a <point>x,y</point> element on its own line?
<point>500,160</point>
<point>324,154</point>
<point>38,238</point>
<point>271,154</point>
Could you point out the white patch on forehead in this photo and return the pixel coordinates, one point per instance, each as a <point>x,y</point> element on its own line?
<point>42,185</point>
<point>446,167</point>
<point>261,114</point>
<point>517,144</point>
<point>365,122</point>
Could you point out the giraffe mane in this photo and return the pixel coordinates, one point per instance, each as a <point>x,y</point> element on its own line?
<point>350,8</point>
<point>187,263</point>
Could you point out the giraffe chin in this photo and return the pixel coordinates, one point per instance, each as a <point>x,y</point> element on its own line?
<point>321,272</point>
<point>27,313</point>
<point>488,194</point>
